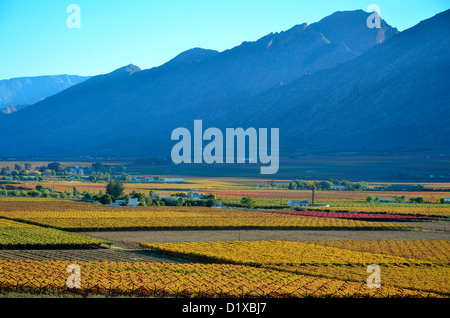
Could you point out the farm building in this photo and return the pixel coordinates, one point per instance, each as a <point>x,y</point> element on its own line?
<point>194,195</point>
<point>137,178</point>
<point>176,180</point>
<point>218,205</point>
<point>446,200</point>
<point>298,203</point>
<point>133,202</point>
<point>338,187</point>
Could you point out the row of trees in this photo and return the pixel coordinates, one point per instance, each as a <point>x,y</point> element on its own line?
<point>38,191</point>
<point>327,185</point>
<point>115,190</point>
<point>96,170</point>
<point>397,199</point>
<point>17,168</point>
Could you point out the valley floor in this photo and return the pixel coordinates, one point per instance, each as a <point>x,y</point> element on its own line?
<point>126,243</point>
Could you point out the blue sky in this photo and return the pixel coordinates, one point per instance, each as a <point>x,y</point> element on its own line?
<point>35,39</point>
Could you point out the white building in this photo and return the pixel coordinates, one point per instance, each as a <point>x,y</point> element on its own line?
<point>338,187</point>
<point>446,200</point>
<point>133,202</point>
<point>298,203</point>
<point>173,180</point>
<point>194,195</point>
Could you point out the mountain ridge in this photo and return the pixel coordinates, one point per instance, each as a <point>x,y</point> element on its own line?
<point>378,77</point>
<point>255,83</point>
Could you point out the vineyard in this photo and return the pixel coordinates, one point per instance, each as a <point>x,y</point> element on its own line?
<point>410,209</point>
<point>359,216</point>
<point>185,280</point>
<point>426,272</point>
<point>41,237</point>
<point>19,235</point>
<point>78,216</point>
<point>325,196</point>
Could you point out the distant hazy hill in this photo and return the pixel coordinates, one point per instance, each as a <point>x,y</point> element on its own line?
<point>335,84</point>
<point>30,90</point>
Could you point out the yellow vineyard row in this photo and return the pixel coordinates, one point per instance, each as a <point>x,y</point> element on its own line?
<point>77,215</point>
<point>183,280</point>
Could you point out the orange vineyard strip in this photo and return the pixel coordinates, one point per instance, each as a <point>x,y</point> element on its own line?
<point>184,280</point>
<point>423,268</point>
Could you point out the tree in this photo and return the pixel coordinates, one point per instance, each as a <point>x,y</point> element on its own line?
<point>148,201</point>
<point>34,193</point>
<point>88,196</point>
<point>55,166</point>
<point>297,185</point>
<point>372,199</point>
<point>126,177</point>
<point>14,193</point>
<point>115,189</point>
<point>362,185</point>
<point>417,200</point>
<point>45,193</point>
<point>313,188</point>
<point>399,199</point>
<point>345,183</point>
<point>39,187</point>
<point>105,199</point>
<point>292,185</point>
<point>140,196</point>
<point>97,166</point>
<point>18,167</point>
<point>326,185</point>
<point>210,196</point>
<point>180,202</point>
<point>248,202</point>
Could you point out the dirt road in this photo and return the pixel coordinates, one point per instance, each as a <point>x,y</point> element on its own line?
<point>131,239</point>
<point>126,243</point>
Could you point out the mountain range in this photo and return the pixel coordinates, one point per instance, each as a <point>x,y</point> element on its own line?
<point>333,85</point>
<point>15,93</point>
